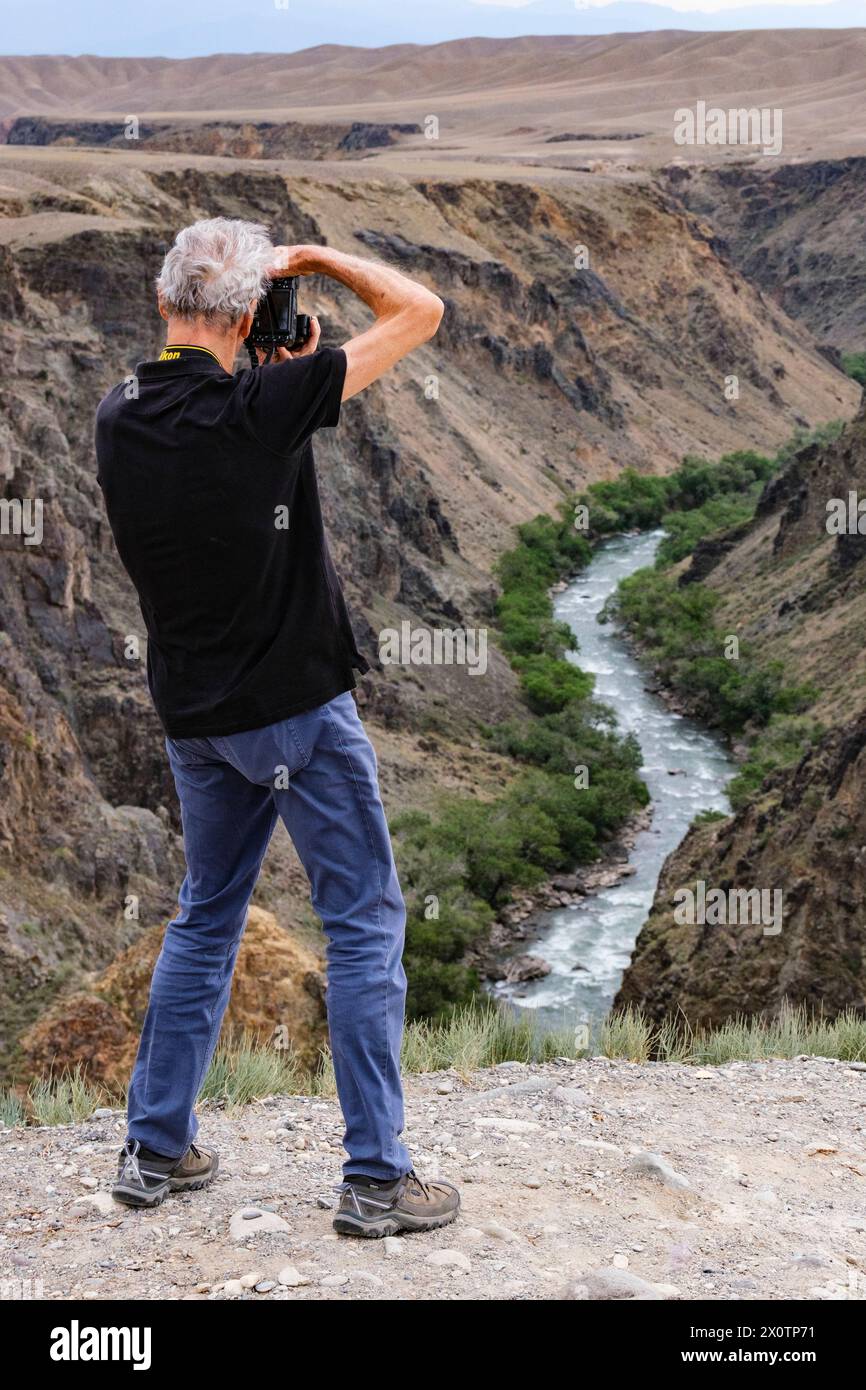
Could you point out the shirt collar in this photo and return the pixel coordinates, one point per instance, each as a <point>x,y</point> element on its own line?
<point>182,359</point>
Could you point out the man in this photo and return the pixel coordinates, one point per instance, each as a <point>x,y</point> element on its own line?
<point>210,488</point>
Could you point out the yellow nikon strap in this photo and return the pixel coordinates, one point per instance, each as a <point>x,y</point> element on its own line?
<point>172,352</point>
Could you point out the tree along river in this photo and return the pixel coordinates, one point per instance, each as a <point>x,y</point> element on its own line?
<point>588,944</point>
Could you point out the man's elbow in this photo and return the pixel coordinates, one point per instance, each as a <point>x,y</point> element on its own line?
<point>428,314</point>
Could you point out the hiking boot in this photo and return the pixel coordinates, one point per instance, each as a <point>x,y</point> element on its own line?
<point>374,1209</point>
<point>145,1178</point>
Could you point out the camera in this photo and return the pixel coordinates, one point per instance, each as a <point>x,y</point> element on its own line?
<point>277,322</point>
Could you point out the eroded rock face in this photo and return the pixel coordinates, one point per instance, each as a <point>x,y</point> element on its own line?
<point>806,838</point>
<point>793,230</point>
<point>278,995</point>
<point>804,834</point>
<point>233,138</point>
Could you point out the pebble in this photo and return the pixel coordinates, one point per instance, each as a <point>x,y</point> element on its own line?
<point>498,1231</point>
<point>102,1202</point>
<point>654,1166</point>
<point>291,1278</point>
<point>534,1085</point>
<point>601,1144</point>
<point>445,1258</point>
<point>392,1245</point>
<point>334,1281</point>
<point>265,1285</point>
<point>249,1281</point>
<point>233,1287</point>
<point>260,1171</point>
<point>612,1283</point>
<point>571,1095</point>
<point>252,1221</point>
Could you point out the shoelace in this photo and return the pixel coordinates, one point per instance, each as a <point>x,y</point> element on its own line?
<point>131,1172</point>
<point>425,1190</point>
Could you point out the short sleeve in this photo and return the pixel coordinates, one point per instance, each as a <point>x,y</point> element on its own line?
<point>285,403</point>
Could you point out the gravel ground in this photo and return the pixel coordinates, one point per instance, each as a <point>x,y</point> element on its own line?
<point>592,1179</point>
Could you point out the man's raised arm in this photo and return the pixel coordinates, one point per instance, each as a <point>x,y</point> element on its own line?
<point>407,314</point>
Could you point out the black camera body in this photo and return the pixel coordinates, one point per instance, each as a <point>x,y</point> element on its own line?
<point>277,322</point>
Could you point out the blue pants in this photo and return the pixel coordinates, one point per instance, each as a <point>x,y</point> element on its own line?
<point>317,771</point>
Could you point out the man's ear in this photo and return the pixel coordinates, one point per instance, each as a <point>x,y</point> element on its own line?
<point>246,323</point>
<point>162,309</point>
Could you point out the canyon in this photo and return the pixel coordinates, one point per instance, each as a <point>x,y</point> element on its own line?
<point>552,369</point>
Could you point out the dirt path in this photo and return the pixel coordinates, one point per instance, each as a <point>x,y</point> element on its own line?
<point>757,1189</point>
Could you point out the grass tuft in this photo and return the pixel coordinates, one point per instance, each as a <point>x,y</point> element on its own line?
<point>471,1039</point>
<point>64,1098</point>
<point>12,1111</point>
<point>248,1070</point>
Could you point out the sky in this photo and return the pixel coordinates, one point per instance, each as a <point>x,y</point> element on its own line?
<point>193,27</point>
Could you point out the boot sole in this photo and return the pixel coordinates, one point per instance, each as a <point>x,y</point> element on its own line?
<point>393,1225</point>
<point>134,1197</point>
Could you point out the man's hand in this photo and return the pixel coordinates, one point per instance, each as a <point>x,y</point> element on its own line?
<point>293,260</point>
<point>285,355</point>
<point>407,314</point>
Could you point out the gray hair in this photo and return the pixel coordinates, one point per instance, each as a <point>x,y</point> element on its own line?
<point>215,270</point>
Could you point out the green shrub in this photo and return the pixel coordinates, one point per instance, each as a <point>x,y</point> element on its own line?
<point>675,627</point>
<point>784,741</point>
<point>683,530</point>
<point>550,684</point>
<point>547,548</point>
<point>580,735</point>
<point>854,364</point>
<point>717,493</point>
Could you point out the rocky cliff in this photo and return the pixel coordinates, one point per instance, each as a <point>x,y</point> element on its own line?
<point>798,591</point>
<point>795,230</point>
<point>235,139</point>
<point>544,376</point>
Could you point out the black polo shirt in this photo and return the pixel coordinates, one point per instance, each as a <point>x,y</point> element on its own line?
<point>210,488</point>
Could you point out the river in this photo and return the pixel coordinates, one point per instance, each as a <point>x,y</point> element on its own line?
<point>588,944</point>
